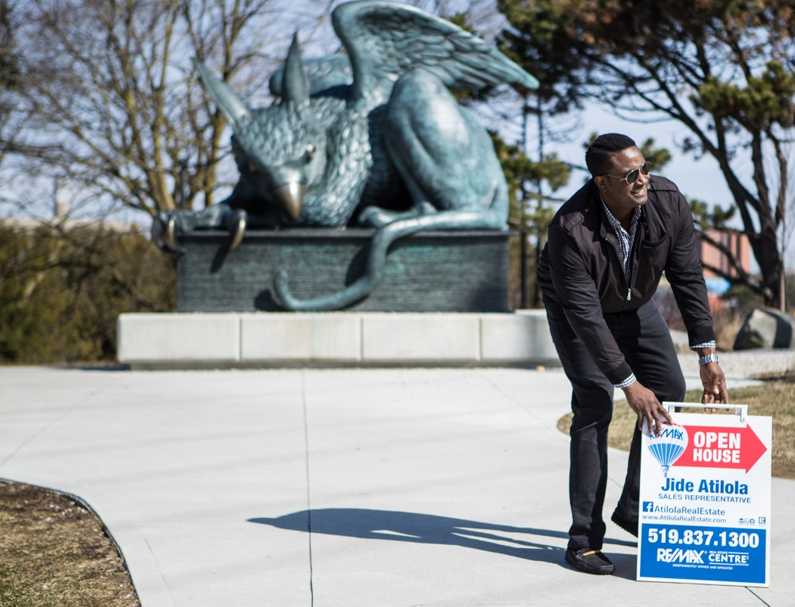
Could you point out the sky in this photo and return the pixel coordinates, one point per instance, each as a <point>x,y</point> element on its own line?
<point>700,179</point>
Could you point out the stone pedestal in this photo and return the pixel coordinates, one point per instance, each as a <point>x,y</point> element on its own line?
<point>427,272</point>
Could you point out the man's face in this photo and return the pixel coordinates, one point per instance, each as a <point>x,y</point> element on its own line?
<point>619,195</point>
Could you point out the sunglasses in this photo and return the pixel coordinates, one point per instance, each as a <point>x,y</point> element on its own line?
<point>633,175</point>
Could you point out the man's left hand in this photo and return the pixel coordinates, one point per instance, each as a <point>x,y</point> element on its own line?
<point>714,384</point>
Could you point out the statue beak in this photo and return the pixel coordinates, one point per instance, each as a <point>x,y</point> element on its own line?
<point>290,197</point>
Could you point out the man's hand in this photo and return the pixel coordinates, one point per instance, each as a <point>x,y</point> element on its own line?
<point>714,385</point>
<point>647,407</point>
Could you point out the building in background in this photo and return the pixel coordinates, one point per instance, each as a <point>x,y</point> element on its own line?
<point>734,241</point>
<point>713,257</point>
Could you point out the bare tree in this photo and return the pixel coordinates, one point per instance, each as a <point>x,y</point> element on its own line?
<point>110,102</point>
<point>9,69</point>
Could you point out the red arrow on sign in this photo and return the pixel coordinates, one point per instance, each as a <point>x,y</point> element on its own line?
<point>715,447</point>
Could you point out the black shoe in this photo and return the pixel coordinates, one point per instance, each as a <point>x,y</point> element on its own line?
<point>589,561</point>
<point>628,526</point>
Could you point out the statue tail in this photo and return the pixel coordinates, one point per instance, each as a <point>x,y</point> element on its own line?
<point>494,218</point>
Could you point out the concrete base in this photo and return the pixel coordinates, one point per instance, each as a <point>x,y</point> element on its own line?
<point>181,340</point>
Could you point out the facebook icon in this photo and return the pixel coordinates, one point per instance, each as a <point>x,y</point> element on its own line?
<point>648,506</point>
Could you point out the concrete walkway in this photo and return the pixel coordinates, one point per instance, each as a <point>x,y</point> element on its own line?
<point>336,488</point>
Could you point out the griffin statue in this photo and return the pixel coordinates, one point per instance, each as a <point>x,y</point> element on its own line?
<point>354,136</point>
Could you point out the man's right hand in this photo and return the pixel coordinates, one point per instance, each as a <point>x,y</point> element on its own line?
<point>646,406</point>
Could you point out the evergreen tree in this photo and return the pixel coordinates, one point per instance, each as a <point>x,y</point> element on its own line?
<point>723,68</point>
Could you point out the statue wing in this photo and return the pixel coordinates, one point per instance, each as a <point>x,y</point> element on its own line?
<point>386,40</point>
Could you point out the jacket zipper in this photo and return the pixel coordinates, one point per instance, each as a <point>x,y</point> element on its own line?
<point>621,265</point>
<point>635,244</point>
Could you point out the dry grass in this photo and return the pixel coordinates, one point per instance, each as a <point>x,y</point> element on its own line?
<point>54,553</point>
<point>774,398</point>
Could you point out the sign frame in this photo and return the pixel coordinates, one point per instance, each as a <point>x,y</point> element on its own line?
<point>705,493</point>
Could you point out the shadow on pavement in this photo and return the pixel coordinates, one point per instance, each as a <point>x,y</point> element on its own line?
<point>427,529</point>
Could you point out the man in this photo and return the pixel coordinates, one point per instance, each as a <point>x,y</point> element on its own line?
<point>607,248</point>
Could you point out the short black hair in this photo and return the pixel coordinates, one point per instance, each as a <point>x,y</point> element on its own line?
<point>599,154</point>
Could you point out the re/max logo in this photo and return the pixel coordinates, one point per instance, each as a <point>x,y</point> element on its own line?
<point>677,555</point>
<point>671,433</point>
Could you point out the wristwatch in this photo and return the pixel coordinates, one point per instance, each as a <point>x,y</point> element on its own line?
<point>709,358</point>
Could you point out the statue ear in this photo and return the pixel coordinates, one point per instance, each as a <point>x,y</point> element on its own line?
<point>228,101</point>
<point>295,86</point>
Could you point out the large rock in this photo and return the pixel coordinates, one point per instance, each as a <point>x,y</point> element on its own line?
<point>766,328</point>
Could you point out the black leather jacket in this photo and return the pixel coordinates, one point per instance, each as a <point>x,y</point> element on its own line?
<point>581,270</point>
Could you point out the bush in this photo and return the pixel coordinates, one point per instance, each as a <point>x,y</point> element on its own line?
<point>63,290</point>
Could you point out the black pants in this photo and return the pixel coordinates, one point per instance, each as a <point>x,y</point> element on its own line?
<point>645,340</point>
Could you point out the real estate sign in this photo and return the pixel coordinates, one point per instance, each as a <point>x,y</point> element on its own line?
<point>705,499</point>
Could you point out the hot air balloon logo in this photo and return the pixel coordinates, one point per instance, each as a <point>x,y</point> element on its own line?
<point>668,445</point>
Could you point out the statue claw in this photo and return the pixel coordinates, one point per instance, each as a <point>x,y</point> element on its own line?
<point>157,233</point>
<point>238,230</point>
<point>374,217</point>
<point>170,234</point>
<point>164,233</point>
<point>426,208</point>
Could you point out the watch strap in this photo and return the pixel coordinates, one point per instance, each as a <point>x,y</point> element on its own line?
<point>709,358</point>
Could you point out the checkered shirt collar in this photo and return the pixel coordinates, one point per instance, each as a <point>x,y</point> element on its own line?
<point>625,240</point>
